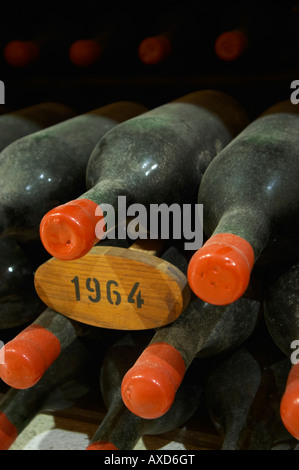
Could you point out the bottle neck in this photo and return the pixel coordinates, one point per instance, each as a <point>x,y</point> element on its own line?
<point>113,199</point>
<point>120,427</point>
<point>183,335</point>
<point>63,328</point>
<point>250,224</point>
<point>222,327</point>
<point>243,412</point>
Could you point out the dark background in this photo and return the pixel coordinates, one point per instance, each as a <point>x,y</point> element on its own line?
<point>261,77</point>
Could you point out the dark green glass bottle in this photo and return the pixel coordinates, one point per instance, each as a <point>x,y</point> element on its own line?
<point>250,204</point>
<point>202,330</point>
<point>158,157</point>
<point>281,312</point>
<point>48,166</point>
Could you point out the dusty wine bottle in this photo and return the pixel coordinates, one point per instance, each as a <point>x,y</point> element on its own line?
<point>250,202</point>
<point>50,166</point>
<point>65,381</point>
<point>202,330</point>
<point>281,306</point>
<point>243,396</point>
<point>111,36</point>
<point>157,157</point>
<point>121,429</point>
<point>30,354</point>
<point>281,301</point>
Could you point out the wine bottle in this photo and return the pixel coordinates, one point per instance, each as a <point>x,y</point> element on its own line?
<point>121,429</point>
<point>281,316</point>
<point>18,299</point>
<point>19,302</point>
<point>109,38</point>
<point>178,37</point>
<point>29,355</point>
<point>65,381</point>
<point>25,121</point>
<point>142,159</point>
<point>250,195</point>
<point>243,397</point>
<point>49,166</point>
<point>202,330</point>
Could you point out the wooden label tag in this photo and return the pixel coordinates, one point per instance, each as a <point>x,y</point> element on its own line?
<point>114,288</point>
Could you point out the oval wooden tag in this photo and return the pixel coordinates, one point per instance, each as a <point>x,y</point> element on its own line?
<point>115,288</point>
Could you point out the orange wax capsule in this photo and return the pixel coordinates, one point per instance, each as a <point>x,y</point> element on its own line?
<point>230,45</point>
<point>21,53</point>
<point>85,52</point>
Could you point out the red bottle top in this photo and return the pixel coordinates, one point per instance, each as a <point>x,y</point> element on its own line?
<point>33,351</point>
<point>148,388</point>
<point>289,406</point>
<point>21,53</point>
<point>154,49</point>
<point>230,45</point>
<point>68,231</point>
<point>219,272</point>
<point>85,52</point>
